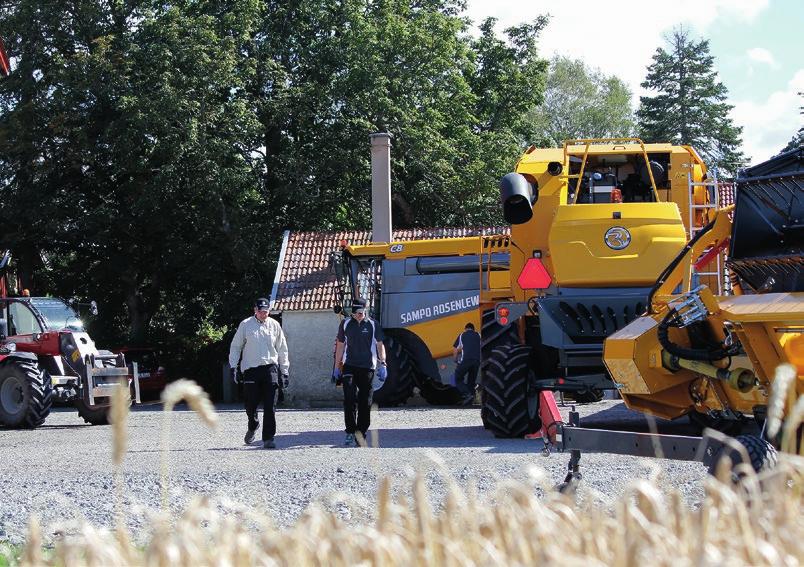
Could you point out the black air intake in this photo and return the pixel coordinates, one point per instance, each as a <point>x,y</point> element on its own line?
<point>517,196</point>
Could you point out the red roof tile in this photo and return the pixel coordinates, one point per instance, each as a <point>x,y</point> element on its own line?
<point>305,279</point>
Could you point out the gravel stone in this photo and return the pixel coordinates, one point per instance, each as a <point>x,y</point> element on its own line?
<point>63,471</point>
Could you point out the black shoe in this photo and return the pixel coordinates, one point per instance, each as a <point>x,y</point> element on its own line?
<point>249,436</point>
<point>268,444</point>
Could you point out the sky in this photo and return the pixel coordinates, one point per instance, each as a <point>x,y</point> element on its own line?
<point>758,46</point>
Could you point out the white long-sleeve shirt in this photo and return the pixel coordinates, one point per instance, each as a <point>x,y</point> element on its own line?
<point>259,343</point>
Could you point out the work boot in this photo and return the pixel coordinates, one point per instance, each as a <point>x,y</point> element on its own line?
<point>269,444</point>
<point>249,436</point>
<point>350,440</point>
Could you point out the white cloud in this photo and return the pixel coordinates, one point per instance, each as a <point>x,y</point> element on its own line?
<point>618,38</point>
<point>769,125</point>
<point>621,37</point>
<point>762,55</point>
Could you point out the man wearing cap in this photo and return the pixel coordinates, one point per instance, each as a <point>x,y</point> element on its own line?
<point>359,351</point>
<point>262,351</point>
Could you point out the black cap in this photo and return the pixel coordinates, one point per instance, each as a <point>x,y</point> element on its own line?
<point>358,303</point>
<point>262,304</point>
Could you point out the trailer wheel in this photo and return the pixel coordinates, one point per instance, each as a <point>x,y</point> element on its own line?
<point>505,409</point>
<point>398,386</point>
<point>26,394</point>
<point>762,455</point>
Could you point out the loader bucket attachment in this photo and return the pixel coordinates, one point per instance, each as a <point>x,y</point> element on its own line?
<point>768,231</point>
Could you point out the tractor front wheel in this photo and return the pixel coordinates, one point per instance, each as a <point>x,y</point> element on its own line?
<point>507,402</point>
<point>26,394</point>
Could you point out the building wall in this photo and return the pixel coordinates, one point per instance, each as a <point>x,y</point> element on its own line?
<point>311,340</point>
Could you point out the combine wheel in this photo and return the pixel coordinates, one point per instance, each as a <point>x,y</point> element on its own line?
<point>492,335</point>
<point>762,455</point>
<point>398,387</point>
<point>26,394</point>
<point>505,409</point>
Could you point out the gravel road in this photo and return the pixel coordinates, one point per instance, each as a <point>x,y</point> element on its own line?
<point>63,470</point>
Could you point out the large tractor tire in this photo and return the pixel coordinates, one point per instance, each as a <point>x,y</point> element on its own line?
<point>507,408</point>
<point>398,386</point>
<point>492,335</point>
<point>26,394</point>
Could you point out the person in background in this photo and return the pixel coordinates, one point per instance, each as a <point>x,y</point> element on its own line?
<point>359,351</point>
<point>466,351</point>
<point>260,348</point>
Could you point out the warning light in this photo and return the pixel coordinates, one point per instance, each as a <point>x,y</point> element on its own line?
<point>503,311</point>
<point>503,320</point>
<point>534,275</point>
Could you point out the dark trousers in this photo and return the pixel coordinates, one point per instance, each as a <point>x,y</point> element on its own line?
<point>466,375</point>
<point>260,386</point>
<point>357,383</point>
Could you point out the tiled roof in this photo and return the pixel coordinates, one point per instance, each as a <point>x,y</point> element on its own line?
<point>305,280</point>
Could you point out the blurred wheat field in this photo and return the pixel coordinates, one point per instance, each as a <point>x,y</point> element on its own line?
<point>759,522</point>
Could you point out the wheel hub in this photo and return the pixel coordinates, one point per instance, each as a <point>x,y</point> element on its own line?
<point>12,395</point>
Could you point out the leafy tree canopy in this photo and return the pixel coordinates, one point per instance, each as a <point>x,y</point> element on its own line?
<point>580,102</point>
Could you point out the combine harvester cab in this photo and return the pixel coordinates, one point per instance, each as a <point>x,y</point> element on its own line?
<point>593,224</point>
<point>423,293</point>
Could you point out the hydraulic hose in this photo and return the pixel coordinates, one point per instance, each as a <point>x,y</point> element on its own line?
<point>717,352</point>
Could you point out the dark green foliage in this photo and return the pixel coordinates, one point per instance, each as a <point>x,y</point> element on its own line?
<point>690,106</point>
<point>152,153</point>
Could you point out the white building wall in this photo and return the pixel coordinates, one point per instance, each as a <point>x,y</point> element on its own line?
<point>311,340</point>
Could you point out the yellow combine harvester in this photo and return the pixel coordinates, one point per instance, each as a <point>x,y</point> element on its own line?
<point>593,225</point>
<point>695,352</point>
<point>423,293</point>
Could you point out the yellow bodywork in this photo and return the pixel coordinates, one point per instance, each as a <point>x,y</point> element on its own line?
<point>763,324</point>
<point>570,237</point>
<point>769,326</point>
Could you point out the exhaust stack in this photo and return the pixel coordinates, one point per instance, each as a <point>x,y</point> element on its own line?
<point>381,187</point>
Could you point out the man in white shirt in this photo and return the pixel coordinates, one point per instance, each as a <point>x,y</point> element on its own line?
<point>259,346</point>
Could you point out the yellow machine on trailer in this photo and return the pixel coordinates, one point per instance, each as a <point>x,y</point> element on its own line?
<point>593,225</point>
<point>718,355</point>
<point>423,293</point>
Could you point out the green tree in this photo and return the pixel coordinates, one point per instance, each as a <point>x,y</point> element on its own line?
<point>690,107</point>
<point>580,102</point>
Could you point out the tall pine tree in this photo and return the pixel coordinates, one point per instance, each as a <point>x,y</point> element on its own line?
<point>690,106</point>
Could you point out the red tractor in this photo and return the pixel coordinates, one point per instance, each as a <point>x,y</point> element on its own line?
<point>46,355</point>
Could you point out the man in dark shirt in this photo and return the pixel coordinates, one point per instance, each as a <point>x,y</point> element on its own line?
<point>466,350</point>
<point>358,352</point>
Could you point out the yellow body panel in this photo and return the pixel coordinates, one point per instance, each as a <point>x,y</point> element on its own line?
<point>763,324</point>
<point>581,257</point>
